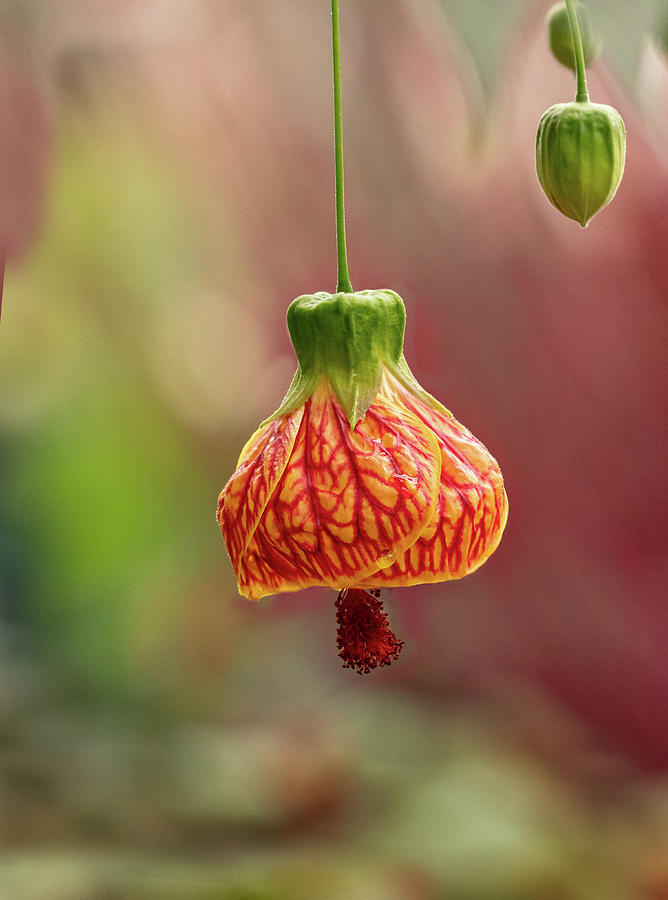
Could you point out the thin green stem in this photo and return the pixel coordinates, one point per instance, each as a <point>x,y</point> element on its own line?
<point>343,280</point>
<point>582,95</point>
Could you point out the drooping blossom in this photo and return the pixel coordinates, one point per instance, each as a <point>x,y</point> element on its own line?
<point>361,479</point>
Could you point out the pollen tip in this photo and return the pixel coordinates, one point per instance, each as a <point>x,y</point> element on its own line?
<point>364,638</point>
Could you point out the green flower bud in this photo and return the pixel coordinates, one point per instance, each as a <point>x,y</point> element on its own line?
<point>580,153</point>
<point>561,41</point>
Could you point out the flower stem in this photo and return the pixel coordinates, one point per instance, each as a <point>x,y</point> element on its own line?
<point>582,95</point>
<point>343,277</point>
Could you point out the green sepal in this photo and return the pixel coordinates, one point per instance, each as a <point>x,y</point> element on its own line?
<point>301,388</point>
<point>404,375</point>
<point>346,338</point>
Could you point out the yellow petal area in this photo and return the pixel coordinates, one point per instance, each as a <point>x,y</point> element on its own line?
<point>471,510</point>
<point>262,462</point>
<point>347,503</point>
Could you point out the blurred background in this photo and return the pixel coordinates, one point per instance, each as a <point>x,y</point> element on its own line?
<point>166,189</point>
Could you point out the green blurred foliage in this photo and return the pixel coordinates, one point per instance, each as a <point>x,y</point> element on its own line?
<point>102,488</point>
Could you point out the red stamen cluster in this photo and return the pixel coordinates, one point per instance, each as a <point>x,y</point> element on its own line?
<point>364,638</point>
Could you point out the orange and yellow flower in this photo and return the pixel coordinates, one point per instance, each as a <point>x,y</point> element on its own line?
<point>403,495</point>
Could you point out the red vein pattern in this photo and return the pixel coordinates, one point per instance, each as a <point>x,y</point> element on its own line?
<point>346,504</point>
<point>407,497</point>
<point>261,464</point>
<point>471,510</point>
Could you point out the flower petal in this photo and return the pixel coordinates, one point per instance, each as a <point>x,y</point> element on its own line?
<point>470,514</point>
<point>348,501</point>
<point>261,464</point>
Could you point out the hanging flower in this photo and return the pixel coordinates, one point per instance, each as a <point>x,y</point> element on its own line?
<point>361,479</point>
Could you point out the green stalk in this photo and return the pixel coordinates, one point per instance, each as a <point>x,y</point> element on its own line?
<point>343,281</point>
<point>582,95</point>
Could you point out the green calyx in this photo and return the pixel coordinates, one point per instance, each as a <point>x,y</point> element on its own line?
<point>580,155</point>
<point>561,39</point>
<point>348,339</point>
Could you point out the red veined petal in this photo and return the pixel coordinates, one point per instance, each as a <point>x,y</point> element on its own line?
<point>470,514</point>
<point>261,463</point>
<point>347,503</point>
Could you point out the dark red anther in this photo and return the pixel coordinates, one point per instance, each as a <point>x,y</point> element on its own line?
<point>363,635</point>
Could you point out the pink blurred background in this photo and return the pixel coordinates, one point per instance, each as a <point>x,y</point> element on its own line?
<point>166,188</point>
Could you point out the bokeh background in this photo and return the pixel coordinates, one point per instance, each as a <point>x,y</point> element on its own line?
<point>166,189</point>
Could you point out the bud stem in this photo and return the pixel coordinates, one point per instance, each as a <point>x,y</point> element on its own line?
<point>343,282</point>
<point>582,95</point>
